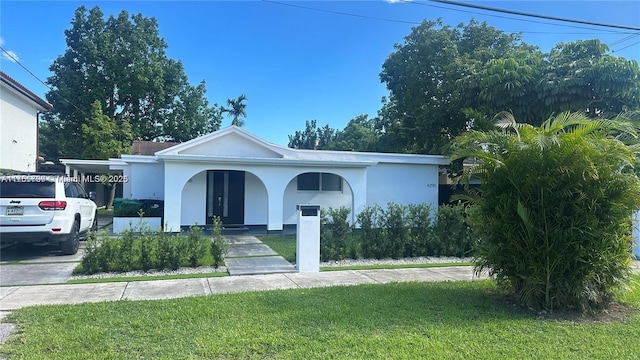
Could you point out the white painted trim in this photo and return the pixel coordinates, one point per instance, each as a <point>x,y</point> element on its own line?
<point>262,161</point>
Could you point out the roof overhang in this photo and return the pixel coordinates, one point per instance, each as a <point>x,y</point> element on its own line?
<point>25,93</point>
<point>263,161</point>
<point>88,166</point>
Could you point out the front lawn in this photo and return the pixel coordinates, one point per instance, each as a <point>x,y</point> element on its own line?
<point>447,320</point>
<point>284,245</point>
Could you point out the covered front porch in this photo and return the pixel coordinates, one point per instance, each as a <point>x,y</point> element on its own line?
<point>255,197</point>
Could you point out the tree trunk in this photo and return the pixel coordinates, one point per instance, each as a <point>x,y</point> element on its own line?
<point>112,196</point>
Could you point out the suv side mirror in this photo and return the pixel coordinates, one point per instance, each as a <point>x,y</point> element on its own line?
<point>92,195</point>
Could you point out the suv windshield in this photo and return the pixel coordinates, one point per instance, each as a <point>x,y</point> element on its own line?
<point>27,190</point>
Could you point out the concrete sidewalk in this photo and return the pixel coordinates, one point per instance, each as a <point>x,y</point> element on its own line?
<point>16,297</point>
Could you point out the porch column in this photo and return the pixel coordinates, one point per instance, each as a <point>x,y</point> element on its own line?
<point>172,200</point>
<point>275,193</point>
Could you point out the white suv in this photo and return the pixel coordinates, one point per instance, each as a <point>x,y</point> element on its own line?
<point>45,209</point>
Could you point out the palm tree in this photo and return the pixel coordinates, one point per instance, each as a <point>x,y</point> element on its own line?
<point>237,110</point>
<point>553,211</point>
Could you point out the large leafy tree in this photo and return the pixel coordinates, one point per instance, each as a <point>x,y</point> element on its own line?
<point>554,208</point>
<point>423,76</point>
<point>121,62</point>
<point>360,134</point>
<point>582,76</point>
<point>445,80</point>
<point>102,138</point>
<point>313,137</point>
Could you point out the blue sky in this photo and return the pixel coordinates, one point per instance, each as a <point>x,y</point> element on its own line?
<point>297,64</point>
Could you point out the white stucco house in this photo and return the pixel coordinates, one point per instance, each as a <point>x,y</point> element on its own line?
<point>19,112</point>
<point>247,181</point>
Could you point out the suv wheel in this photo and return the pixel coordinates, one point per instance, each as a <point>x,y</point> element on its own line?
<point>71,245</point>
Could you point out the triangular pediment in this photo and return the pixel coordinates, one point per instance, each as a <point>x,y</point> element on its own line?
<point>229,142</point>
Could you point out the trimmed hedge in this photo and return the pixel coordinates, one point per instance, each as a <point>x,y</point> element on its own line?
<point>138,207</point>
<point>395,232</point>
<point>143,249</point>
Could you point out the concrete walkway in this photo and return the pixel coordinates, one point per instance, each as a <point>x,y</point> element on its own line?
<point>249,256</point>
<point>16,297</point>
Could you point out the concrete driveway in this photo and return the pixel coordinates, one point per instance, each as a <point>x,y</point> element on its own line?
<point>35,265</point>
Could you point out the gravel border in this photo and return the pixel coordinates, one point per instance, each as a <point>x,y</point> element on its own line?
<point>152,273</point>
<point>403,261</point>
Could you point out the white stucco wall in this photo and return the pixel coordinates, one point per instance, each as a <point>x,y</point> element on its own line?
<point>402,184</point>
<point>148,181</point>
<point>326,200</point>
<point>18,132</point>
<point>256,202</point>
<point>194,197</point>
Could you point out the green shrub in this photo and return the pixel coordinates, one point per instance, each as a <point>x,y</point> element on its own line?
<point>333,236</point>
<point>371,235</point>
<point>142,249</point>
<point>134,207</point>
<point>126,207</point>
<point>419,223</point>
<point>197,245</point>
<point>396,232</point>
<point>553,212</point>
<point>219,246</point>
<point>451,234</point>
<point>90,259</point>
<point>147,256</point>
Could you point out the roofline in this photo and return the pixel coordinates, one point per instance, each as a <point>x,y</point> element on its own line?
<point>262,161</point>
<point>139,158</point>
<point>280,150</point>
<point>9,81</point>
<point>396,158</point>
<point>83,162</point>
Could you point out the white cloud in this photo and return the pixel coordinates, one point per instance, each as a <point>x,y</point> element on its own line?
<point>8,54</point>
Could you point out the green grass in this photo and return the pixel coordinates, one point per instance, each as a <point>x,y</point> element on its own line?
<point>146,278</point>
<point>446,320</point>
<point>104,211</point>
<point>284,245</point>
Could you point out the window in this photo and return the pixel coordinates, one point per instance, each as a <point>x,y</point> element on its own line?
<point>331,182</point>
<point>27,190</point>
<point>319,182</point>
<point>81,192</point>
<point>70,190</point>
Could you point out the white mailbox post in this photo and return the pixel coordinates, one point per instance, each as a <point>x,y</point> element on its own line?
<point>308,238</point>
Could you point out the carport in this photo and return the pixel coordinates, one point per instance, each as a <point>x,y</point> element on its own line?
<point>93,174</point>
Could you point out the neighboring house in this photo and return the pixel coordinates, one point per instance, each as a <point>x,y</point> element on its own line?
<point>143,147</point>
<point>19,112</point>
<point>247,181</point>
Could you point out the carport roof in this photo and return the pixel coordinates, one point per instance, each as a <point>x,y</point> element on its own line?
<point>88,166</point>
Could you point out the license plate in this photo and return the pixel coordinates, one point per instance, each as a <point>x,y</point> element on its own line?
<point>15,210</point>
